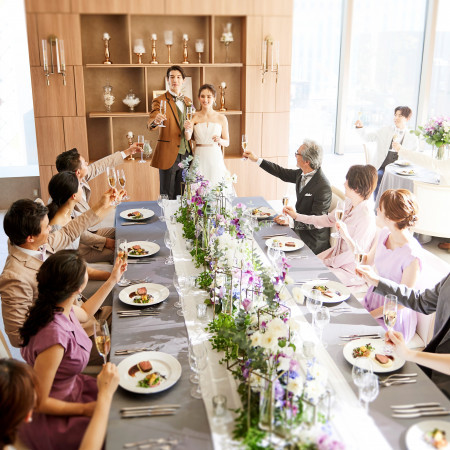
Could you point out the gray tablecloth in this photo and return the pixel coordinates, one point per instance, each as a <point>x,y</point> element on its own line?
<point>393,180</point>
<point>167,333</point>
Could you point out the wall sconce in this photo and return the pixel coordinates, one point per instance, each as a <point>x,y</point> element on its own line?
<point>59,59</point>
<point>272,46</point>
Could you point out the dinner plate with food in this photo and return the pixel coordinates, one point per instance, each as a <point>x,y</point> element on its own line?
<point>402,162</point>
<point>140,249</point>
<point>406,172</point>
<point>374,350</point>
<point>285,243</point>
<point>263,212</point>
<point>149,372</point>
<point>144,294</point>
<point>428,434</point>
<point>137,214</point>
<point>331,291</point>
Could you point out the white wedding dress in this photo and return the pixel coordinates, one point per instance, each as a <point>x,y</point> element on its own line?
<point>208,153</point>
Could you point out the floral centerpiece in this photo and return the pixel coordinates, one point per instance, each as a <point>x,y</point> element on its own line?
<point>436,132</point>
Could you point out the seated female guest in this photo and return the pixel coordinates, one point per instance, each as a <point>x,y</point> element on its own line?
<point>396,255</point>
<point>58,348</point>
<point>358,218</point>
<point>19,395</point>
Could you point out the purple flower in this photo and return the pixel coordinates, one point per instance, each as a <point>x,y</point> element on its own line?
<point>294,365</point>
<point>246,303</point>
<point>279,391</point>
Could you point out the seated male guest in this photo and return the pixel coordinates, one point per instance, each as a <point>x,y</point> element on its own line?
<point>27,227</point>
<point>428,301</point>
<point>390,140</point>
<point>96,245</point>
<point>313,191</point>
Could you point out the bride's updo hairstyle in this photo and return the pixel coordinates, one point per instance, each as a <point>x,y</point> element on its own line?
<point>399,205</point>
<point>208,87</point>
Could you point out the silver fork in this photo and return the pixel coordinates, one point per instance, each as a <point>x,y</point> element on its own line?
<point>400,375</point>
<point>400,381</point>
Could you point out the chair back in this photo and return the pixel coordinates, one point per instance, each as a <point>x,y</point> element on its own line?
<point>369,152</point>
<point>434,211</point>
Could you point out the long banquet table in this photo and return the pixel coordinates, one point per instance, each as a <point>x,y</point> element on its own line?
<point>167,332</point>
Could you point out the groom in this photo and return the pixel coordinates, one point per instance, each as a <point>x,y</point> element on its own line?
<point>172,145</point>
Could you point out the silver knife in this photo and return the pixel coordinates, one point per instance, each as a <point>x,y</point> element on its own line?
<point>416,415</point>
<point>274,235</point>
<point>137,408</point>
<point>353,336</point>
<point>415,405</point>
<point>167,412</point>
<point>134,223</point>
<point>418,410</point>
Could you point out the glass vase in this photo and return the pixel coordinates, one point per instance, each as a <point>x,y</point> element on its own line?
<point>440,153</point>
<point>266,406</point>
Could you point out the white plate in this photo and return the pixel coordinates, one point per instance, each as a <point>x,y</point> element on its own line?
<point>405,172</point>
<point>283,239</point>
<point>264,209</point>
<point>378,344</point>
<point>415,435</point>
<point>159,292</point>
<point>146,213</point>
<point>333,285</point>
<point>402,162</point>
<point>164,363</point>
<point>151,247</point>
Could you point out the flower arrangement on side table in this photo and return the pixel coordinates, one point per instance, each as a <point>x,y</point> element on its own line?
<point>436,132</point>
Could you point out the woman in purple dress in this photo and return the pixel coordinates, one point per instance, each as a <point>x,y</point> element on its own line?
<point>58,348</point>
<point>396,255</point>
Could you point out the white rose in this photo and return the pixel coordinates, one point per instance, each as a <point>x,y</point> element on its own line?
<point>278,328</point>
<point>294,325</point>
<point>283,363</point>
<point>288,280</point>
<point>256,339</point>
<point>295,386</point>
<point>298,295</point>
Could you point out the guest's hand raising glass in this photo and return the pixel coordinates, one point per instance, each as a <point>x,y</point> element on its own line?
<point>396,146</point>
<point>358,124</point>
<point>188,125</point>
<point>368,274</point>
<point>343,230</point>
<point>120,266</point>
<point>290,211</point>
<point>108,380</point>
<point>397,341</point>
<point>250,155</point>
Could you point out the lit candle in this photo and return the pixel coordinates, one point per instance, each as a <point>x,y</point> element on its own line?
<point>130,134</point>
<point>154,36</point>
<point>185,37</point>
<point>199,45</point>
<point>139,46</point>
<point>106,36</point>
<point>44,54</point>
<point>62,55</point>
<point>223,84</point>
<point>168,37</point>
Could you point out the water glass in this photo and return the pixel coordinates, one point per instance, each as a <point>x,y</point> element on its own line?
<point>177,286</point>
<point>309,349</point>
<point>201,362</point>
<point>369,389</point>
<point>322,319</point>
<point>361,367</point>
<point>169,244</point>
<point>201,311</point>
<point>160,201</point>
<point>173,220</point>
<point>313,303</point>
<point>219,405</point>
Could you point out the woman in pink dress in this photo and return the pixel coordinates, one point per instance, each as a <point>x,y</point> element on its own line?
<point>58,348</point>
<point>358,219</point>
<point>396,255</point>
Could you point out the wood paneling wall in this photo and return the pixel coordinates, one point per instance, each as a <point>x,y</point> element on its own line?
<point>60,111</point>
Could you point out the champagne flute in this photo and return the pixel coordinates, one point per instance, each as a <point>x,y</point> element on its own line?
<point>160,201</point>
<point>360,257</point>
<point>339,214</point>
<point>285,202</point>
<point>112,181</point>
<point>244,144</point>
<point>390,309</point>
<point>121,178</point>
<point>102,338</point>
<point>177,286</point>
<point>140,143</point>
<point>322,319</point>
<point>122,253</point>
<point>169,244</point>
<point>190,110</point>
<point>162,110</point>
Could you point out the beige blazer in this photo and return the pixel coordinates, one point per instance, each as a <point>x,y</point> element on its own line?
<point>18,285</point>
<point>88,238</point>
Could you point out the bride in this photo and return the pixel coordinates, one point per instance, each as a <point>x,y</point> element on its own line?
<point>209,130</point>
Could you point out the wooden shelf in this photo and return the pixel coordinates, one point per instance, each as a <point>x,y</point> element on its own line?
<point>98,115</point>
<point>122,66</point>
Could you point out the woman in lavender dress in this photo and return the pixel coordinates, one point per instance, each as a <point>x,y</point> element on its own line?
<point>396,255</point>
<point>58,348</point>
<point>358,221</point>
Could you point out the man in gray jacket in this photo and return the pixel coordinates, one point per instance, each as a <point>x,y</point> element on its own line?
<point>428,301</point>
<point>96,244</point>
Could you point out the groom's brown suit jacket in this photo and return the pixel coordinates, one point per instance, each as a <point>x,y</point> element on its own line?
<point>168,145</point>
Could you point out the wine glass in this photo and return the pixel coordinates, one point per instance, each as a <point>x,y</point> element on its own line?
<point>192,363</point>
<point>339,214</point>
<point>369,389</point>
<point>201,362</point>
<point>140,143</point>
<point>122,253</point>
<point>313,303</point>
<point>112,181</point>
<point>244,144</point>
<point>121,178</point>
<point>322,319</point>
<point>160,201</point>
<point>360,368</point>
<point>162,110</point>
<point>177,286</point>
<point>390,308</point>
<point>102,338</point>
<point>169,244</point>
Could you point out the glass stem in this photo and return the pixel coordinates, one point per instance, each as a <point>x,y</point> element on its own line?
<point>105,359</point>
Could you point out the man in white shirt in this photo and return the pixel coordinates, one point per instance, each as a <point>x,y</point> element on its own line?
<point>390,140</point>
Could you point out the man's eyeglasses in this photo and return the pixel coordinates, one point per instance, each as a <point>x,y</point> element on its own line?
<point>296,154</point>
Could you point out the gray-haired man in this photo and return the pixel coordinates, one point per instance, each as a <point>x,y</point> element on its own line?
<point>312,187</point>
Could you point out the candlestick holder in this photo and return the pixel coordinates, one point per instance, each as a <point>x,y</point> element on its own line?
<point>139,55</point>
<point>153,61</point>
<point>168,48</point>
<point>130,137</point>
<point>106,39</point>
<point>56,64</point>
<point>227,38</point>
<point>222,88</point>
<point>185,51</point>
